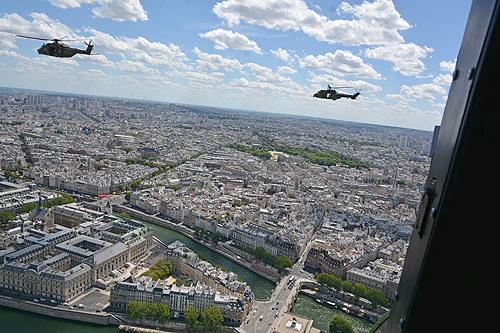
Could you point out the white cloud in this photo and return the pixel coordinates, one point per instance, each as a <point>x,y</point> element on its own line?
<point>373,23</point>
<point>399,98</point>
<point>340,63</point>
<point>325,79</point>
<point>13,54</point>
<point>121,10</point>
<point>443,79</point>
<point>213,62</point>
<point>135,67</point>
<point>225,39</point>
<point>286,70</point>
<point>41,26</point>
<point>70,3</point>
<point>198,77</point>
<point>256,86</point>
<point>266,74</point>
<point>426,90</point>
<point>117,10</point>
<point>282,54</point>
<point>448,66</point>
<point>95,59</point>
<point>406,57</point>
<point>140,48</point>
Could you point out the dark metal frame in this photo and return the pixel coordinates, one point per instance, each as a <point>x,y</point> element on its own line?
<point>443,283</point>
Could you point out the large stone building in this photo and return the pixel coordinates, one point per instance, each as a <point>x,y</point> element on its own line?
<point>381,274</point>
<point>178,298</point>
<point>71,215</point>
<point>62,264</point>
<point>187,263</point>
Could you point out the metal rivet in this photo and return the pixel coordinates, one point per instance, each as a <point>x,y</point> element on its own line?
<point>401,322</point>
<point>455,74</point>
<point>470,75</point>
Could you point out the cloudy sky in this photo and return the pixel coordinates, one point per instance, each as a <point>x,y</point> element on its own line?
<point>270,55</point>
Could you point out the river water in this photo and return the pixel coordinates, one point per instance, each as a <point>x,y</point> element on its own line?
<point>261,287</point>
<point>16,321</point>
<point>306,306</point>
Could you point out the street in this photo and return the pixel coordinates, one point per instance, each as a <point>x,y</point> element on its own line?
<point>266,314</point>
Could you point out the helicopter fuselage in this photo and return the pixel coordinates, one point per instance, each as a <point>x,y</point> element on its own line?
<point>333,94</point>
<point>61,50</point>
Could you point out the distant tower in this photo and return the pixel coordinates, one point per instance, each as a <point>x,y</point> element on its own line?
<point>40,201</point>
<point>109,208</point>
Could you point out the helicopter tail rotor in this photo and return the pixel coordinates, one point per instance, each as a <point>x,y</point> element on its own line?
<point>358,92</point>
<point>89,47</point>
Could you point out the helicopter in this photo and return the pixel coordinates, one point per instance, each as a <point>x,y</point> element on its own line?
<point>332,94</point>
<point>60,50</point>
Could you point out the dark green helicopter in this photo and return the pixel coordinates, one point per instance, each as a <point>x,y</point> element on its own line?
<point>331,93</point>
<point>60,50</point>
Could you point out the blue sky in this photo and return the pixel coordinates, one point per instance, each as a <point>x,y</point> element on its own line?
<point>260,55</point>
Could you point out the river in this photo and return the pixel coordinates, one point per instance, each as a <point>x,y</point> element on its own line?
<point>261,287</point>
<point>306,306</point>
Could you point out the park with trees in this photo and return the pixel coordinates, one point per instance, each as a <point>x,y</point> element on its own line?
<point>359,290</point>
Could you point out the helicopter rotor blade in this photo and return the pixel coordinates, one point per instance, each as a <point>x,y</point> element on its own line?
<point>63,39</point>
<point>51,39</point>
<point>33,37</point>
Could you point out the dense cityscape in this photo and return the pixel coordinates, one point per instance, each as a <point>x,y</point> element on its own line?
<point>318,208</point>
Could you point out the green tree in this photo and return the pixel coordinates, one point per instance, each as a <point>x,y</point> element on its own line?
<point>133,310</point>
<point>151,312</point>
<point>376,298</point>
<point>283,262</point>
<point>5,217</point>
<point>10,175</point>
<point>141,310</point>
<point>160,270</point>
<point>125,215</point>
<point>158,312</point>
<point>359,290</point>
<point>347,286</point>
<point>191,314</point>
<point>162,313</point>
<point>271,190</point>
<point>216,237</point>
<point>340,325</point>
<point>211,320</point>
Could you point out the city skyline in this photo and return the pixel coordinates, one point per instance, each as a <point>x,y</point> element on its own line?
<point>243,55</point>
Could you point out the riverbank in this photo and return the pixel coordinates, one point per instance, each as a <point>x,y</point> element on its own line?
<point>361,308</point>
<point>102,318</point>
<point>17,321</point>
<point>220,249</point>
